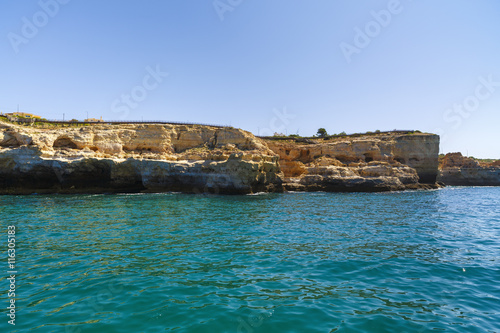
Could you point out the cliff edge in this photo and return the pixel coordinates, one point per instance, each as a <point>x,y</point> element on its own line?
<point>106,158</point>
<point>382,162</point>
<point>459,170</point>
<point>134,158</point>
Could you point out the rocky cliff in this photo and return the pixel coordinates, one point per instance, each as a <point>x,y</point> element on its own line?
<point>456,169</point>
<point>193,158</point>
<point>380,162</point>
<point>132,158</point>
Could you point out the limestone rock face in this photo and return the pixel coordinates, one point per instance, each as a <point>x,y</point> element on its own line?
<point>456,160</point>
<point>366,163</point>
<point>363,178</point>
<point>419,151</point>
<point>458,170</point>
<point>132,158</point>
<point>205,159</point>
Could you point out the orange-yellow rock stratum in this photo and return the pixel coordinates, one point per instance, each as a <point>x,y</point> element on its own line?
<point>205,159</point>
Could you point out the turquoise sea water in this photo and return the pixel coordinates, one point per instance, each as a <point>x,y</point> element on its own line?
<point>299,262</point>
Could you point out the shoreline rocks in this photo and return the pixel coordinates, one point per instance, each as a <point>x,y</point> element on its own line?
<point>105,158</point>
<point>457,170</point>
<point>384,162</point>
<point>135,158</point>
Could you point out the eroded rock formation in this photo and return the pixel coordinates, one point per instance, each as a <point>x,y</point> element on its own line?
<point>199,159</point>
<point>368,163</point>
<point>459,170</point>
<point>132,158</point>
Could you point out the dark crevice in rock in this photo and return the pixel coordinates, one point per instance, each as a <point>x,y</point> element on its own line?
<point>215,140</point>
<point>368,157</point>
<point>64,143</point>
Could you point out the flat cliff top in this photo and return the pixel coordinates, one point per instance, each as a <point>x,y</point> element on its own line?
<point>352,137</point>
<point>121,141</point>
<point>87,157</point>
<point>457,160</point>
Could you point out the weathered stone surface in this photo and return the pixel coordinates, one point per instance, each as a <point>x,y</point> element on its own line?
<point>419,151</point>
<point>369,163</point>
<point>458,170</point>
<point>354,179</point>
<point>155,158</point>
<point>131,158</point>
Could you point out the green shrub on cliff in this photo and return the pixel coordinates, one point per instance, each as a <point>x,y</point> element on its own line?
<point>321,132</point>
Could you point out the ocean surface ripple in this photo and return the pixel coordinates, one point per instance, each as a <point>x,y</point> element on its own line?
<point>298,262</point>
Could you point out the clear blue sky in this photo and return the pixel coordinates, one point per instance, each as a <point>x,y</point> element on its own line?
<point>265,66</point>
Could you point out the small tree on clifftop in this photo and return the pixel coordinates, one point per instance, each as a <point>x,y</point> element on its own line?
<point>322,132</point>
